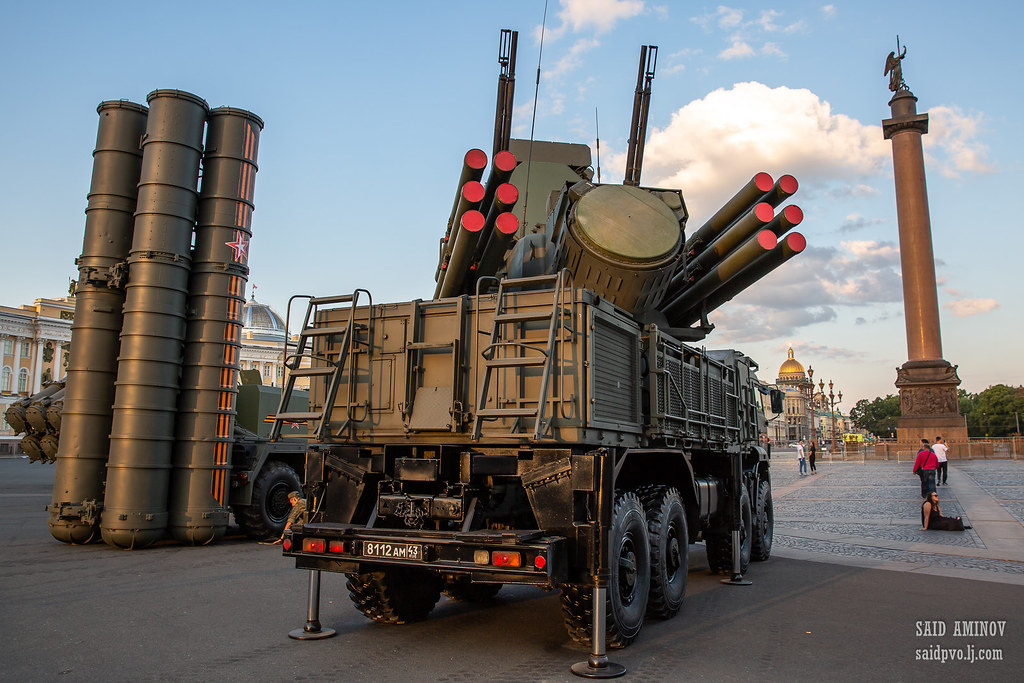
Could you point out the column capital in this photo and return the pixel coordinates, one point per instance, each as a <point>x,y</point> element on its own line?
<point>918,122</point>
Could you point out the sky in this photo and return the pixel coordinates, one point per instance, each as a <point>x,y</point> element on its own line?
<point>369,108</point>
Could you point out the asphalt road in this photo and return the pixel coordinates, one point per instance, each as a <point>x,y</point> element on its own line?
<point>222,613</point>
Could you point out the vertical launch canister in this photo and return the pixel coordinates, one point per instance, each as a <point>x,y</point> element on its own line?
<point>206,406</point>
<point>145,399</point>
<point>92,366</point>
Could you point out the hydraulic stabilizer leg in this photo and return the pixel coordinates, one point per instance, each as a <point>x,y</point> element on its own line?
<point>312,630</point>
<point>737,526</point>
<point>597,665</point>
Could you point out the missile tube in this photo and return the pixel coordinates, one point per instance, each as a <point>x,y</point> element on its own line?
<point>92,364</point>
<point>206,406</point>
<point>788,247</point>
<point>142,432</point>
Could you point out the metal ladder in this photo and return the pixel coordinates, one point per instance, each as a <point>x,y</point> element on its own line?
<point>506,351</point>
<point>327,365</point>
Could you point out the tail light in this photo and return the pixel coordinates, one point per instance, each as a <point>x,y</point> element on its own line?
<point>335,546</point>
<point>313,545</point>
<point>506,558</point>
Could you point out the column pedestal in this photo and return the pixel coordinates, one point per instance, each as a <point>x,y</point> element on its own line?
<point>928,402</point>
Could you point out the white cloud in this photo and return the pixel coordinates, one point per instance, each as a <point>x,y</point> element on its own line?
<point>729,17</point>
<point>572,59</point>
<point>714,145</point>
<point>738,49</point>
<point>963,308</point>
<point>952,142</point>
<point>599,16</point>
<point>829,11</point>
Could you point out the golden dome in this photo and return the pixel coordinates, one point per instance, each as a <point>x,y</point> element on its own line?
<point>791,365</point>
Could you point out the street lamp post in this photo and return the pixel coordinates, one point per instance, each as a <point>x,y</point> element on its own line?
<point>832,403</point>
<point>810,403</point>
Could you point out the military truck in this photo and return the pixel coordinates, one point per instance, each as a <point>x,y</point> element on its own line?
<point>542,420</point>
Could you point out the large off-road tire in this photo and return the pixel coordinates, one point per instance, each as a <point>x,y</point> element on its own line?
<point>629,581</point>
<point>764,523</point>
<point>395,595</point>
<point>268,512</point>
<point>670,546</point>
<point>719,545</point>
<point>461,589</point>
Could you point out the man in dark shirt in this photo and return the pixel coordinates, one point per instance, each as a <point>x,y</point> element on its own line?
<point>925,466</point>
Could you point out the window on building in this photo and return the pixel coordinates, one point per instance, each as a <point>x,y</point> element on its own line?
<point>5,380</point>
<point>22,380</point>
<point>24,349</point>
<point>267,370</point>
<point>8,347</point>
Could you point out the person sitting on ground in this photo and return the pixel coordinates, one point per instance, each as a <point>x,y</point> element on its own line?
<point>931,516</point>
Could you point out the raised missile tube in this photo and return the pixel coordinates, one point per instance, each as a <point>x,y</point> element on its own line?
<point>500,228</point>
<point>788,247</point>
<point>145,401</point>
<point>756,246</point>
<point>206,407</point>
<point>751,222</point>
<point>99,298</point>
<point>470,196</point>
<point>473,165</point>
<point>747,196</point>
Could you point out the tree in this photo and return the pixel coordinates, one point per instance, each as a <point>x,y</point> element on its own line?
<point>996,410</point>
<point>878,416</point>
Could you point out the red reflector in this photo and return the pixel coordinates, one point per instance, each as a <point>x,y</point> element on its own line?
<point>287,544</point>
<point>313,545</point>
<point>335,547</point>
<point>506,558</point>
<point>539,562</point>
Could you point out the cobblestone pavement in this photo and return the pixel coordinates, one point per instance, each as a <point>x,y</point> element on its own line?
<point>868,514</point>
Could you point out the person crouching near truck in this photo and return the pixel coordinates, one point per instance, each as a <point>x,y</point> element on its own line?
<point>925,466</point>
<point>298,504</point>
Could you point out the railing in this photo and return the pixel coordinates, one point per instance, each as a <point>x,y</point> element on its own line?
<point>1010,448</point>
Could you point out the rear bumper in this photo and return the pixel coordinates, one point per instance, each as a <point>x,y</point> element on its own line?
<point>447,552</point>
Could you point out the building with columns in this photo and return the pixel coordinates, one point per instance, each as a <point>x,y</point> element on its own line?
<point>34,343</point>
<point>796,420</point>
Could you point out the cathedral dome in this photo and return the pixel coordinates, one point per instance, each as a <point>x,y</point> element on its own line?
<point>260,321</point>
<point>791,366</point>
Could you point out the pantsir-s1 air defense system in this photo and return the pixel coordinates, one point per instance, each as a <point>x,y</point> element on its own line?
<point>542,420</point>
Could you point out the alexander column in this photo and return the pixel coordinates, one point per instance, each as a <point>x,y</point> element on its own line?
<point>927,383</point>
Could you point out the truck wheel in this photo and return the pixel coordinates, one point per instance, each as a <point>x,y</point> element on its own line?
<point>629,580</point>
<point>670,545</point>
<point>719,545</point>
<point>764,523</point>
<point>395,595</point>
<point>269,509</point>
<point>461,589</point>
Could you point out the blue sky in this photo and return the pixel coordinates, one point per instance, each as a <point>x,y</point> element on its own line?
<point>369,108</point>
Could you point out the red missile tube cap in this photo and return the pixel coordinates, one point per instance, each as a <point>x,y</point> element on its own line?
<point>506,223</point>
<point>476,159</point>
<point>473,221</point>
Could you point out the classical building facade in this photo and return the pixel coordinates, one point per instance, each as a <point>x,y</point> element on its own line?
<point>35,341</point>
<point>796,420</point>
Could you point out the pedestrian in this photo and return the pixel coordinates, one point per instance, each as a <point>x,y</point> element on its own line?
<point>924,467</point>
<point>931,517</point>
<point>941,449</point>
<point>814,470</point>
<point>801,458</point>
<point>298,509</point>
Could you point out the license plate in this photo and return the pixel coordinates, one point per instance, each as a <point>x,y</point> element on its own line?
<point>394,551</point>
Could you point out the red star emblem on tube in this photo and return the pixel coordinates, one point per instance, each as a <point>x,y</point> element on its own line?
<point>240,246</point>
